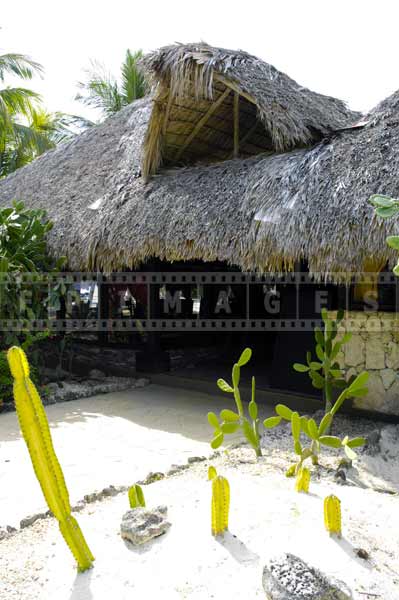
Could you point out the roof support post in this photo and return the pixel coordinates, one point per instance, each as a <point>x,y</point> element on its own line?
<point>236,108</point>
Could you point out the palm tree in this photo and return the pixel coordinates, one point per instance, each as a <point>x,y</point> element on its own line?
<point>16,105</point>
<point>26,128</point>
<point>103,91</point>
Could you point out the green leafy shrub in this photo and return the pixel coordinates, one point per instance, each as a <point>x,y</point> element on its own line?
<point>325,372</point>
<point>6,380</point>
<point>229,421</point>
<point>317,434</point>
<point>387,207</point>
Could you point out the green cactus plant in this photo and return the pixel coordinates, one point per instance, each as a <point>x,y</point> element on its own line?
<point>229,421</point>
<point>220,505</point>
<point>332,515</point>
<point>325,372</point>
<point>136,496</point>
<point>36,432</point>
<point>317,434</point>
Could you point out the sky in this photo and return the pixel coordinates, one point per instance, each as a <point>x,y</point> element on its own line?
<point>347,49</point>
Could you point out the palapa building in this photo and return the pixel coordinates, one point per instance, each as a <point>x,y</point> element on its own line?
<point>230,167</point>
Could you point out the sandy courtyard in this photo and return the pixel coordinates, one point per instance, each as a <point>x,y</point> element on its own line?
<point>107,439</point>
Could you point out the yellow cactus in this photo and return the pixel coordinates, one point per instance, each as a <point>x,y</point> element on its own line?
<point>211,473</point>
<point>36,432</point>
<point>136,496</point>
<point>220,505</point>
<point>302,480</point>
<point>332,515</point>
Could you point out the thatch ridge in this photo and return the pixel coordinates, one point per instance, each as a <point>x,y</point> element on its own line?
<point>292,115</point>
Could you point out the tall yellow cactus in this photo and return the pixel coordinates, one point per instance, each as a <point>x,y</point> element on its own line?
<point>36,432</point>
<point>332,515</point>
<point>220,505</point>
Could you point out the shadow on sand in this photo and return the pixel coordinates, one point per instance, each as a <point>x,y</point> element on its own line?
<point>238,550</point>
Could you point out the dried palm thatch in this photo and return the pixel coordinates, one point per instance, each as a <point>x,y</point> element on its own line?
<point>214,104</point>
<point>258,212</point>
<point>314,203</point>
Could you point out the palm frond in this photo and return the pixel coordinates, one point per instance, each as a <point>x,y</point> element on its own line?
<point>102,91</point>
<point>19,65</point>
<point>18,100</point>
<point>133,84</point>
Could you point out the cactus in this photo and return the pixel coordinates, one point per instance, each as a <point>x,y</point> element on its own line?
<point>35,430</point>
<point>136,496</point>
<point>220,505</point>
<point>325,372</point>
<point>212,473</point>
<point>302,480</point>
<point>229,421</point>
<point>317,434</point>
<point>332,515</point>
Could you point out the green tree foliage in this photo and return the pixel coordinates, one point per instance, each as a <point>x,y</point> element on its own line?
<point>23,250</point>
<point>26,128</point>
<point>101,90</point>
<point>387,207</point>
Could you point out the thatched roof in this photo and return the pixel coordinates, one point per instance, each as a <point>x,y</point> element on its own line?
<point>203,95</point>
<point>257,212</point>
<point>314,203</point>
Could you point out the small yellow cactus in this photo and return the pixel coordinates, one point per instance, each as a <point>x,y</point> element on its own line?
<point>332,515</point>
<point>220,505</point>
<point>302,480</point>
<point>211,473</point>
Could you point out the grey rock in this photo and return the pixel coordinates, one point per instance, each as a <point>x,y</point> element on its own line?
<point>373,443</point>
<point>141,525</point>
<point>195,459</point>
<point>288,577</point>
<point>31,519</point>
<point>11,529</point>
<point>89,498</point>
<point>176,469</point>
<point>142,382</point>
<point>79,506</point>
<point>152,477</point>
<point>4,533</point>
<point>97,374</point>
<point>109,491</point>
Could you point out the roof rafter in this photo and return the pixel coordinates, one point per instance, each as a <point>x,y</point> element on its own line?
<point>202,121</point>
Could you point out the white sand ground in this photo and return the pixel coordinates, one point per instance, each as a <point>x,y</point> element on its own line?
<point>266,517</point>
<point>119,438</point>
<point>107,439</point>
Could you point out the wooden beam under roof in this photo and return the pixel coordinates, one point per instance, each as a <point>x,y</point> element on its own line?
<point>202,121</point>
<point>236,116</point>
<point>235,87</point>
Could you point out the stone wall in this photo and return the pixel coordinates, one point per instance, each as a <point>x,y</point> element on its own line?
<point>374,347</point>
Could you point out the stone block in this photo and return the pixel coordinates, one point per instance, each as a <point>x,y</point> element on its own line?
<point>388,377</point>
<point>376,396</point>
<point>392,355</point>
<point>354,351</point>
<point>375,352</point>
